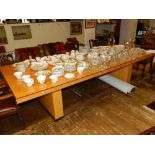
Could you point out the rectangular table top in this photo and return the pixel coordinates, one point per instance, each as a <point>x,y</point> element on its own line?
<point>24,93</point>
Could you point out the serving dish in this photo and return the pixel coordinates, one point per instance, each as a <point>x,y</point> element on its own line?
<point>43,72</point>
<point>58,71</point>
<point>37,66</point>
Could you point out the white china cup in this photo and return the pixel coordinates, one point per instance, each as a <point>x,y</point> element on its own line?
<point>29,81</point>
<point>41,78</point>
<point>54,78</point>
<point>80,70</point>
<point>38,58</point>
<point>25,77</point>
<point>18,75</point>
<point>20,67</point>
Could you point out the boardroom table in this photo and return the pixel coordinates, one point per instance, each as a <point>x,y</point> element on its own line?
<point>50,94</point>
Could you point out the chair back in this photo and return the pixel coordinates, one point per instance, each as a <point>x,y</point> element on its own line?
<point>2,49</point>
<point>24,53</point>
<point>93,42</point>
<point>74,43</point>
<point>148,41</point>
<point>57,48</point>
<point>62,48</point>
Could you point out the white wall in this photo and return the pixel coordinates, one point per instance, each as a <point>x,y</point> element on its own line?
<point>41,33</point>
<point>89,33</point>
<point>127,30</point>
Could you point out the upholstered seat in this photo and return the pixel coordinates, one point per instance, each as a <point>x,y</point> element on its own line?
<point>8,105</point>
<point>24,53</point>
<point>5,58</point>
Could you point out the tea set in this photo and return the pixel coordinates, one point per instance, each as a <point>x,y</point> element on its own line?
<point>101,57</point>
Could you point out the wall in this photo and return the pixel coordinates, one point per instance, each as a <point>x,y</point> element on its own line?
<point>152,23</point>
<point>41,33</point>
<point>128,30</point>
<point>89,33</point>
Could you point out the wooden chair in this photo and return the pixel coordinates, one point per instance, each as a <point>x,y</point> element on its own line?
<point>6,58</point>
<point>2,49</point>
<point>93,42</point>
<point>70,46</point>
<point>147,42</point>
<point>74,43</point>
<point>8,104</point>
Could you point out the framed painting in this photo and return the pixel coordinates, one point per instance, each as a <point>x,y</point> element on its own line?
<point>3,38</point>
<point>75,28</point>
<point>89,23</point>
<point>21,32</point>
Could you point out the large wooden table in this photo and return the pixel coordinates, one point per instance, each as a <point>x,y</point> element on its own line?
<point>50,93</point>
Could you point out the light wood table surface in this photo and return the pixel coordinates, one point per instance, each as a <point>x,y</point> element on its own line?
<point>50,93</point>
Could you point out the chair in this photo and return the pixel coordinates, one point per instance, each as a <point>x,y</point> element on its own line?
<point>2,49</point>
<point>75,43</point>
<point>147,42</point>
<point>62,48</point>
<point>70,46</point>
<point>6,58</point>
<point>8,105</point>
<point>57,47</point>
<point>24,53</point>
<point>51,48</point>
<point>93,42</point>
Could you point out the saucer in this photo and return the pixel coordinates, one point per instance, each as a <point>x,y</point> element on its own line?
<point>69,75</point>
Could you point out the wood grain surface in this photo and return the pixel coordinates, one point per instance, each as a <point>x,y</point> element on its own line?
<point>23,93</point>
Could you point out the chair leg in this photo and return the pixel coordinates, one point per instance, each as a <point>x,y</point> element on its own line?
<point>21,118</point>
<point>152,70</point>
<point>137,66</point>
<point>143,71</point>
<point>151,65</point>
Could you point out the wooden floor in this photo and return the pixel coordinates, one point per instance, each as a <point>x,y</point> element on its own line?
<point>101,109</point>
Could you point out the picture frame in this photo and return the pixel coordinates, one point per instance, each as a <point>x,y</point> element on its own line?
<point>3,38</point>
<point>21,32</point>
<point>89,23</point>
<point>75,28</point>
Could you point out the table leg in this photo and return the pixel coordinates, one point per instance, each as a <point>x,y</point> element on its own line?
<point>123,73</point>
<point>53,103</point>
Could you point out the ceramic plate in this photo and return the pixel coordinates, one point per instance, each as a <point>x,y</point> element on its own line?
<point>69,75</point>
<point>44,72</point>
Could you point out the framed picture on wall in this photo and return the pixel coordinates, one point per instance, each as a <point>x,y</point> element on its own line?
<point>75,28</point>
<point>89,23</point>
<point>21,32</point>
<point>3,38</point>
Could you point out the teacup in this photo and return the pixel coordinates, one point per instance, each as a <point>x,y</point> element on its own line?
<point>29,81</point>
<point>21,67</point>
<point>27,63</point>
<point>41,78</point>
<point>80,70</point>
<point>38,58</point>
<point>25,77</point>
<point>53,78</point>
<point>18,75</point>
